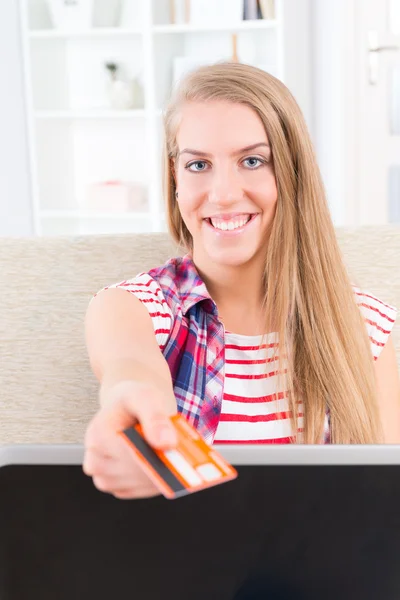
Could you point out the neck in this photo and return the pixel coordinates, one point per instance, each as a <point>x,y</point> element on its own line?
<point>233,287</point>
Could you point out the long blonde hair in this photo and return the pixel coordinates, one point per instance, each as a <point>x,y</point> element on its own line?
<point>320,328</point>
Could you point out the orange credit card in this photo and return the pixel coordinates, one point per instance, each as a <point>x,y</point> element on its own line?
<point>189,467</point>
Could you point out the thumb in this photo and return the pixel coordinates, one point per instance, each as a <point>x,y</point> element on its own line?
<point>151,413</point>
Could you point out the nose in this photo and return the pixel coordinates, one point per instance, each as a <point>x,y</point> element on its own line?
<point>225,187</point>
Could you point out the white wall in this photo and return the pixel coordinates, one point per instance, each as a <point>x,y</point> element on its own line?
<point>333,66</point>
<point>15,205</point>
<point>297,48</point>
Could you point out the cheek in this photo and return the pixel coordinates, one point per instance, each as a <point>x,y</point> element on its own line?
<point>188,208</point>
<point>191,191</point>
<point>266,190</point>
<point>188,205</point>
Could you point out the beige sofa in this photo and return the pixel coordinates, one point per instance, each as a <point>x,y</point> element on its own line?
<point>47,392</point>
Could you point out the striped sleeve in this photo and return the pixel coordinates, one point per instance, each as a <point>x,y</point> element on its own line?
<point>379,319</point>
<point>148,291</point>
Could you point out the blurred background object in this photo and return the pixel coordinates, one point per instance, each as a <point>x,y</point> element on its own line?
<point>87,81</point>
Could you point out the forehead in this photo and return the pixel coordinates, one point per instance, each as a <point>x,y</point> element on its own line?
<point>217,125</point>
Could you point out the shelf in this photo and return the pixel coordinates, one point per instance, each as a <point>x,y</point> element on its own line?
<point>242,26</point>
<point>90,114</point>
<point>72,144</point>
<point>116,32</point>
<point>92,215</point>
<point>99,32</point>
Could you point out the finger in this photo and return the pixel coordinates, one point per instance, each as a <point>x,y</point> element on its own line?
<point>136,493</point>
<point>102,438</point>
<point>95,463</point>
<point>111,485</point>
<point>101,435</point>
<point>115,471</point>
<point>152,415</point>
<point>120,490</point>
<point>125,412</point>
<point>100,452</point>
<point>102,484</point>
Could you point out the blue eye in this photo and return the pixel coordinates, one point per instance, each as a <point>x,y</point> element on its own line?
<point>197,162</point>
<point>254,162</point>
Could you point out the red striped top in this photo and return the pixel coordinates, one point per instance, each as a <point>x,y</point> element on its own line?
<point>254,408</point>
<point>252,411</point>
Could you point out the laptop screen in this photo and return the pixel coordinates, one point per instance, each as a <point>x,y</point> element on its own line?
<point>276,533</point>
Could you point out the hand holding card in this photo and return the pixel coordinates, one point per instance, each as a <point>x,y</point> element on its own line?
<point>188,468</point>
<point>108,459</point>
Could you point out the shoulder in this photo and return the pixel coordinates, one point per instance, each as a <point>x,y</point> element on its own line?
<point>145,288</point>
<point>159,286</point>
<point>379,318</point>
<point>164,290</point>
<point>152,292</point>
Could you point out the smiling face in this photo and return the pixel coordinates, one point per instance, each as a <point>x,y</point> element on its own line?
<point>225,181</point>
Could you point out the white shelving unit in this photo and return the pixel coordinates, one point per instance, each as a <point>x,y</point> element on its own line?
<point>76,139</point>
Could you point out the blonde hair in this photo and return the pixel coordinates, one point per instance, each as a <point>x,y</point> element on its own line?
<point>321,330</point>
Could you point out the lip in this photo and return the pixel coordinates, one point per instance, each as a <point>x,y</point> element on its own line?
<point>232,232</point>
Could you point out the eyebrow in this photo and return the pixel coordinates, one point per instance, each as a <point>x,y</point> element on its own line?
<point>200,153</point>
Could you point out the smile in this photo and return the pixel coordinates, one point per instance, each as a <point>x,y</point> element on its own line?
<point>234,225</point>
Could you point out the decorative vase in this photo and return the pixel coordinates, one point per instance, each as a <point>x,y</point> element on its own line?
<point>120,94</point>
<point>123,94</point>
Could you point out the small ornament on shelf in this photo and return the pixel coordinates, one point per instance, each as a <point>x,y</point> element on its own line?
<point>123,94</point>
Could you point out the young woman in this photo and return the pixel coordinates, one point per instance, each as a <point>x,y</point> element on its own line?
<point>256,334</point>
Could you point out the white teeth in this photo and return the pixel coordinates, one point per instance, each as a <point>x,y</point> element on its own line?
<point>230,225</point>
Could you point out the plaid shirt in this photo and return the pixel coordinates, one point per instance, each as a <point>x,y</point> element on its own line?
<point>195,350</point>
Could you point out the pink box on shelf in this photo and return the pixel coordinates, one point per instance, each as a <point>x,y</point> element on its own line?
<point>116,196</point>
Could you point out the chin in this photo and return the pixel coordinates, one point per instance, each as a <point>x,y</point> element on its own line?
<point>231,258</point>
